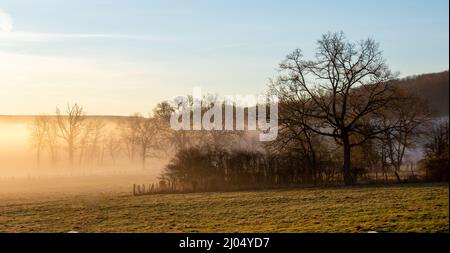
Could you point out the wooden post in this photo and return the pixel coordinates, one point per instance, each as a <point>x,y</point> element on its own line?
<point>134,189</point>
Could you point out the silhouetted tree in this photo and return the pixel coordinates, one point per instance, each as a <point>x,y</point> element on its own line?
<point>70,126</point>
<point>142,137</point>
<point>338,94</point>
<point>113,146</point>
<point>437,152</point>
<point>412,116</point>
<point>39,131</point>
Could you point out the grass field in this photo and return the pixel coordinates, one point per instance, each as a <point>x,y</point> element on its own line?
<point>399,208</point>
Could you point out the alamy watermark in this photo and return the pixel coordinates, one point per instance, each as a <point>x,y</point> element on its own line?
<point>214,118</point>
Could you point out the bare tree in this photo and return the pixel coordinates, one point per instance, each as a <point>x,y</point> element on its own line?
<point>71,127</point>
<point>412,114</point>
<point>149,138</point>
<point>339,94</point>
<point>142,137</point>
<point>96,135</point>
<point>39,130</point>
<point>178,140</point>
<point>84,142</point>
<point>437,151</point>
<point>113,145</point>
<point>52,140</point>
<point>128,135</point>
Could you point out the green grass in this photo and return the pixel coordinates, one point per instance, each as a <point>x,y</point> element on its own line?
<point>400,208</point>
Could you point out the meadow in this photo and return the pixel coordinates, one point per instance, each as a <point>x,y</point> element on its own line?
<point>393,208</point>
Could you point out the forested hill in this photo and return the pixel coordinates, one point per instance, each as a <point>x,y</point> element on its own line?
<point>433,88</point>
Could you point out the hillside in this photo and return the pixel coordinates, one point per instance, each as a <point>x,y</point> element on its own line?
<point>431,87</point>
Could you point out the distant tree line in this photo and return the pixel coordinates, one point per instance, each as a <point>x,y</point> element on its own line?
<point>71,138</point>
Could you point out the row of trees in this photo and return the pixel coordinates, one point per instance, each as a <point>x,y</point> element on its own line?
<point>312,161</point>
<point>73,139</point>
<point>342,118</point>
<point>49,133</point>
<point>219,167</point>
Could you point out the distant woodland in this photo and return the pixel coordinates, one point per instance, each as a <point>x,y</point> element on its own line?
<point>433,88</point>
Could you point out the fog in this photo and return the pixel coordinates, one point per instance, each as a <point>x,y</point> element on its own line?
<point>20,175</point>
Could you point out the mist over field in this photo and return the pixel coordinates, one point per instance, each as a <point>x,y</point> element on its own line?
<point>21,177</point>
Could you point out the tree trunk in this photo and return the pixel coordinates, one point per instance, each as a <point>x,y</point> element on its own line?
<point>144,152</point>
<point>71,155</point>
<point>38,157</point>
<point>397,176</point>
<point>348,180</point>
<point>53,157</point>
<point>314,168</point>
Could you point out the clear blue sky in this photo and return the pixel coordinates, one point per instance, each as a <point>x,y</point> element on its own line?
<point>118,57</point>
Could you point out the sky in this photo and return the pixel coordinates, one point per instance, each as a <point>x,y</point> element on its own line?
<point>120,57</point>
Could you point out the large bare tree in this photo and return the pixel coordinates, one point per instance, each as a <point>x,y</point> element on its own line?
<point>341,93</point>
